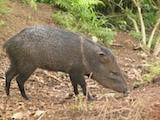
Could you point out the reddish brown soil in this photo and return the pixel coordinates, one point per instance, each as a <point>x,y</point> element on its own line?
<point>50,92</point>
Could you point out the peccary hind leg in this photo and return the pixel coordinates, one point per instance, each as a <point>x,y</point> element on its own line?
<point>9,76</point>
<point>22,77</point>
<point>77,78</point>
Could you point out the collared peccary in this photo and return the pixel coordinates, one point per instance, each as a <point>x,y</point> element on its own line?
<point>59,50</point>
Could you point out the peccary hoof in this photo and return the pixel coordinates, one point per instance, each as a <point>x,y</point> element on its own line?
<point>126,93</point>
<point>26,97</point>
<point>7,91</point>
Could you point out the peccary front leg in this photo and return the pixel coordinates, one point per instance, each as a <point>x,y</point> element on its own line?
<point>21,78</point>
<point>74,84</point>
<point>9,76</point>
<point>77,78</point>
<point>82,83</point>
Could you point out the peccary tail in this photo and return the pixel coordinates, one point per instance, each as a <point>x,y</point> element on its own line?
<point>7,47</point>
<point>8,43</point>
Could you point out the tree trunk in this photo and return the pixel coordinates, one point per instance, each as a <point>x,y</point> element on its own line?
<point>157,47</point>
<point>153,32</point>
<point>136,2</point>
<point>134,23</point>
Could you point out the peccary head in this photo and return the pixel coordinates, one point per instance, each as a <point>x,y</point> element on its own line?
<point>108,72</point>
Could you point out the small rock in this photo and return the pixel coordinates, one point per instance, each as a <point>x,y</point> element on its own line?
<point>68,96</point>
<point>94,39</point>
<point>38,113</point>
<point>144,55</point>
<point>18,115</point>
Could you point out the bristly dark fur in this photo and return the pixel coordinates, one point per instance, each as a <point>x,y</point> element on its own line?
<point>59,50</point>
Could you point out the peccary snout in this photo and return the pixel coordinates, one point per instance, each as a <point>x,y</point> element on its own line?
<point>59,50</point>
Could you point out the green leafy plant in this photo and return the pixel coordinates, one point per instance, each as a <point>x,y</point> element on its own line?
<point>65,19</point>
<point>136,35</point>
<point>154,70</point>
<point>149,72</point>
<point>81,16</point>
<point>117,12</point>
<point>44,1</point>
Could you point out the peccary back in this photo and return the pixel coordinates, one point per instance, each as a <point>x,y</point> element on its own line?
<point>59,50</point>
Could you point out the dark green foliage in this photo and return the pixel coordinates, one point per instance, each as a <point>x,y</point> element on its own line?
<point>138,36</point>
<point>94,17</point>
<point>117,11</point>
<point>44,1</point>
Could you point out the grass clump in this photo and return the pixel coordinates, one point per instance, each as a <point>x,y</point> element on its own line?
<point>32,3</point>
<point>81,104</point>
<point>139,37</point>
<point>152,71</point>
<point>2,23</point>
<point>3,8</point>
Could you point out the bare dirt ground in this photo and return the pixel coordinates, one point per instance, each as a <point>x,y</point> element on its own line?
<point>51,93</point>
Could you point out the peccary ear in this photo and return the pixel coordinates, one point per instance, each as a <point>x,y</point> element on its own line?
<point>104,58</point>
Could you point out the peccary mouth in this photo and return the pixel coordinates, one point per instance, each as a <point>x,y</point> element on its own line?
<point>118,85</point>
